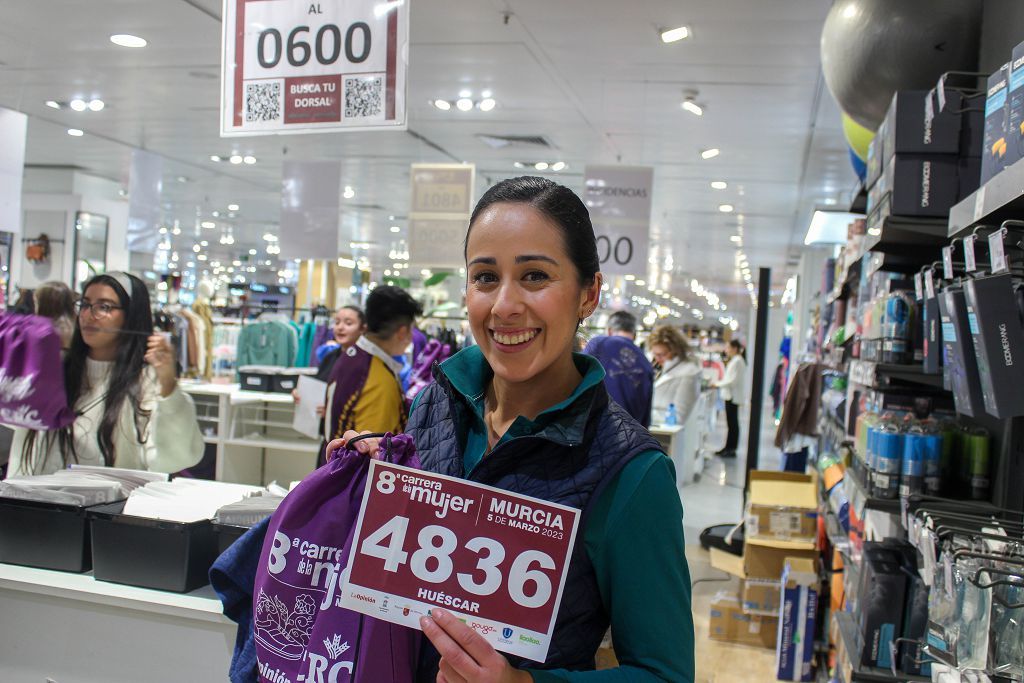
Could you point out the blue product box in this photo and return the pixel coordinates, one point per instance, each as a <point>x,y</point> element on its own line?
<point>1015,108</point>
<point>794,653</point>
<point>993,155</point>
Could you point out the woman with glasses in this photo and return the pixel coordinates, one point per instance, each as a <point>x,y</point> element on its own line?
<point>120,377</point>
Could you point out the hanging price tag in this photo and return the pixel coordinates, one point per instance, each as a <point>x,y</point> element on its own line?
<point>919,286</point>
<point>971,264</point>
<point>496,559</point>
<point>940,92</point>
<point>929,283</point>
<point>979,203</point>
<point>995,250</point>
<point>929,107</point>
<point>947,262</point>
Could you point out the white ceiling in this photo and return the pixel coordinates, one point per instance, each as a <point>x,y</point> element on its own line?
<point>591,76</point>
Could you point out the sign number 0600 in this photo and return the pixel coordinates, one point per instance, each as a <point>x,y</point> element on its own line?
<point>432,561</point>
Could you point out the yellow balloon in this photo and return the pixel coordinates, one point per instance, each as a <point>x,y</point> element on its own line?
<point>857,136</point>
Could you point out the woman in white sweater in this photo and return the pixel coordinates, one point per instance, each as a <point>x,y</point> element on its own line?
<point>732,389</point>
<point>120,377</point>
<point>678,383</point>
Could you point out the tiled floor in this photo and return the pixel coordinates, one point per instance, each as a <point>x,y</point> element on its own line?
<point>718,499</point>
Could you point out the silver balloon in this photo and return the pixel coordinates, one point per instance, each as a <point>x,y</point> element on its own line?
<point>872,48</point>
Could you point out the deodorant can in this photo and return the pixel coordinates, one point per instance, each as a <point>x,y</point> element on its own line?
<point>976,453</point>
<point>912,475</point>
<point>889,460</point>
<point>933,464</point>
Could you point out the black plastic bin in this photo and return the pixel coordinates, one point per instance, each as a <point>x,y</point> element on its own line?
<point>45,535</point>
<point>255,380</point>
<point>227,534</point>
<point>151,553</point>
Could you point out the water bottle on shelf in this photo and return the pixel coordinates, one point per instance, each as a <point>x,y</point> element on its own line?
<point>671,418</point>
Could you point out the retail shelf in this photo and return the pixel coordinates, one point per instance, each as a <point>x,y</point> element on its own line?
<point>859,203</point>
<point>891,506</point>
<point>852,671</point>
<point>908,236</point>
<point>871,374</point>
<point>1000,199</point>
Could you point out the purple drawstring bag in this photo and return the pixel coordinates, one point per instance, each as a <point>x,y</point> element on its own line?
<point>299,631</point>
<point>422,376</point>
<point>32,374</point>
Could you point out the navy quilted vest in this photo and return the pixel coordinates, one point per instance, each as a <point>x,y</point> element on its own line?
<point>569,462</point>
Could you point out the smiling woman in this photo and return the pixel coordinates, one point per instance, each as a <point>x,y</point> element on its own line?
<point>522,412</point>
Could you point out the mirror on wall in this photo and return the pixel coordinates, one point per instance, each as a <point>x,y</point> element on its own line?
<point>90,246</point>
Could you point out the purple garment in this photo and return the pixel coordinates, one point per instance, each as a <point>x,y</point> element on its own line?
<point>32,391</point>
<point>422,372</point>
<point>300,632</point>
<point>324,334</point>
<point>629,376</point>
<point>419,341</point>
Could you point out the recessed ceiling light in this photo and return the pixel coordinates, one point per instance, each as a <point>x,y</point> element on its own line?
<point>96,104</point>
<point>719,184</point>
<point>349,193</point>
<point>710,153</point>
<point>74,132</point>
<point>214,157</point>
<point>736,238</point>
<point>558,166</point>
<point>519,164</point>
<point>78,104</point>
<point>487,104</point>
<point>270,237</point>
<point>443,105</point>
<point>216,214</point>
<point>395,228</point>
<point>252,252</point>
<point>541,165</point>
<point>232,207</point>
<point>725,208</point>
<point>249,159</point>
<point>464,104</point>
<point>465,93</point>
<point>127,40</point>
<point>53,104</point>
<point>204,243</point>
<point>182,179</point>
<point>209,225</point>
<point>236,158</point>
<point>693,108</point>
<point>672,35</point>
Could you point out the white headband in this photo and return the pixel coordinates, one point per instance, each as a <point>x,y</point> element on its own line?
<point>123,280</point>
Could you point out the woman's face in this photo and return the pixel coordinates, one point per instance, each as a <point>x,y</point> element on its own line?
<point>347,328</point>
<point>730,351</point>
<point>661,354</point>
<point>101,317</point>
<point>523,293</point>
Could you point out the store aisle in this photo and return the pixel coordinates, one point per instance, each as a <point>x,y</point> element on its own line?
<point>718,499</point>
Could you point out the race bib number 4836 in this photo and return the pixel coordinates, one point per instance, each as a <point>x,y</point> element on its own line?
<point>496,559</point>
<point>296,66</point>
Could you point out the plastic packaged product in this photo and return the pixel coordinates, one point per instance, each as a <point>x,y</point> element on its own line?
<point>915,444</point>
<point>1008,631</point>
<point>974,607</point>
<point>976,456</point>
<point>888,461</point>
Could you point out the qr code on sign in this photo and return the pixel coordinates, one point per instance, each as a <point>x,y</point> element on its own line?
<point>364,97</point>
<point>263,101</point>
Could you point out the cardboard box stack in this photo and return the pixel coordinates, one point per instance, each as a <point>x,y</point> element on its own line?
<point>781,526</point>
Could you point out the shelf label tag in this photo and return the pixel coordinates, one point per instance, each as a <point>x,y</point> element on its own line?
<point>971,263</point>
<point>995,250</point>
<point>979,203</point>
<point>929,283</point>
<point>919,286</point>
<point>947,262</point>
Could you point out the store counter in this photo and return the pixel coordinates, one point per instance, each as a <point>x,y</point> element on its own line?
<point>685,443</point>
<point>64,628</point>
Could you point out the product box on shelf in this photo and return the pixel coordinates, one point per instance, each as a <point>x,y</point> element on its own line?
<point>993,154</point>
<point>1015,107</point>
<point>151,553</point>
<point>782,506</point>
<point>730,624</point>
<point>917,185</point>
<point>998,341</point>
<point>876,157</point>
<point>45,535</point>
<point>908,131</point>
<point>961,362</point>
<point>882,594</point>
<point>794,653</point>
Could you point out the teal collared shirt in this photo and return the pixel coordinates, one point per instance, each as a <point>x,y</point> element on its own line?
<point>633,535</point>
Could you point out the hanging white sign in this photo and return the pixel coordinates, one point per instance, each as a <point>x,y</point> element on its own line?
<point>292,66</point>
<point>619,200</point>
<point>440,206</point>
<point>13,132</point>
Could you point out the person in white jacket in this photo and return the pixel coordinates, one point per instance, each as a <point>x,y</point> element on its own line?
<point>678,382</point>
<point>120,378</point>
<point>733,391</point>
